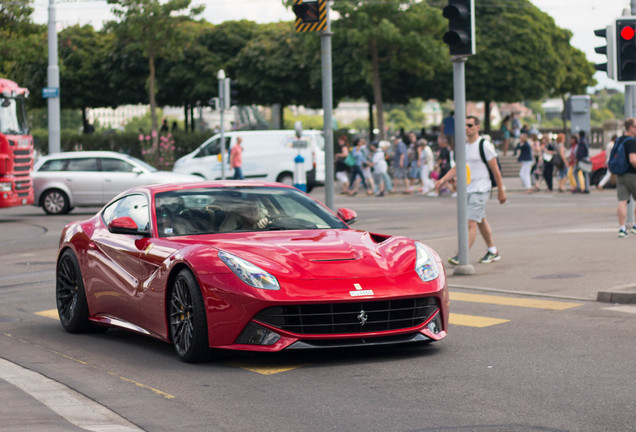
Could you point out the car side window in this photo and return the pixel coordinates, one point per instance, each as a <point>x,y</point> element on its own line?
<point>53,165</point>
<point>82,164</point>
<point>213,148</point>
<point>116,165</point>
<point>133,206</point>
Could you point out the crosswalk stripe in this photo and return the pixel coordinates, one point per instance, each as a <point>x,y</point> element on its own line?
<point>513,301</point>
<point>474,320</point>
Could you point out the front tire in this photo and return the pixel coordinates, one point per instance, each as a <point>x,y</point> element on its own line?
<point>55,202</point>
<point>70,295</point>
<point>188,323</point>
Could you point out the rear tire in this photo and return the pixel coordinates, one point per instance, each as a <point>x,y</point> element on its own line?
<point>285,178</point>
<point>187,318</point>
<point>70,295</point>
<point>55,202</point>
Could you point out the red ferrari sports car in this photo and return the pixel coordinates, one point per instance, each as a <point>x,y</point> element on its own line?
<point>245,266</point>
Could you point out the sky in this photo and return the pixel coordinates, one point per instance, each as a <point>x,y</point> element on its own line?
<point>581,17</point>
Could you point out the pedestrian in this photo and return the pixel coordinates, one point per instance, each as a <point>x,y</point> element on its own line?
<point>516,131</point>
<point>356,170</point>
<point>343,170</point>
<point>582,161</point>
<point>626,183</point>
<point>479,188</point>
<point>413,154</point>
<point>236,159</point>
<point>175,127</point>
<point>608,174</point>
<point>560,161</point>
<point>400,165</point>
<point>380,168</point>
<point>164,126</point>
<point>447,129</point>
<point>547,153</point>
<point>525,158</point>
<point>426,163</point>
<point>505,130</point>
<point>572,174</point>
<point>444,164</point>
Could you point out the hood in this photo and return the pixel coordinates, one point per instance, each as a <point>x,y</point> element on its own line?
<point>321,254</point>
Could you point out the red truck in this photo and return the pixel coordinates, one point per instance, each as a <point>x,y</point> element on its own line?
<point>16,147</point>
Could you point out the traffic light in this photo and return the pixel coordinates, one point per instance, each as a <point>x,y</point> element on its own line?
<point>609,50</point>
<point>626,49</point>
<point>311,15</point>
<point>234,93</point>
<point>460,36</point>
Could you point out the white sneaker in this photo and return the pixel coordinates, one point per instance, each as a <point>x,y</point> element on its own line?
<point>432,194</point>
<point>454,195</point>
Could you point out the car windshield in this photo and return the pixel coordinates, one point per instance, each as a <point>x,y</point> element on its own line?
<point>239,209</point>
<point>13,120</point>
<point>146,166</point>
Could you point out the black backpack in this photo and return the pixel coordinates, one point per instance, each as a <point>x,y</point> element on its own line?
<point>483,158</point>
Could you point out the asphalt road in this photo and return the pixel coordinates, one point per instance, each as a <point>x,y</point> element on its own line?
<point>528,348</point>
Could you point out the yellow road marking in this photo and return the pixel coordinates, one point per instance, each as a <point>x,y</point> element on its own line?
<point>474,320</point>
<point>152,389</point>
<point>51,313</point>
<point>513,301</point>
<point>264,370</point>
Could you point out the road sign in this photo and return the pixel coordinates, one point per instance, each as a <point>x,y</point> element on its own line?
<point>50,92</point>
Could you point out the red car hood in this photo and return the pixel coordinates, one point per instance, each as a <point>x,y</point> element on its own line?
<point>321,254</point>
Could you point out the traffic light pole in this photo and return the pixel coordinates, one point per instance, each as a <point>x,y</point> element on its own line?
<point>459,94</point>
<point>630,104</point>
<point>327,106</point>
<point>221,77</point>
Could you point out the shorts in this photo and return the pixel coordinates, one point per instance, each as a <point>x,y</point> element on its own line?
<point>625,186</point>
<point>477,205</point>
<point>400,173</point>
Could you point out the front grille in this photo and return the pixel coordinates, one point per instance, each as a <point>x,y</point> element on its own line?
<point>354,317</point>
<point>22,152</point>
<point>22,161</point>
<point>22,185</point>
<point>22,168</point>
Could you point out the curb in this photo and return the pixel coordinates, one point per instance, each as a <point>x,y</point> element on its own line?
<point>625,294</point>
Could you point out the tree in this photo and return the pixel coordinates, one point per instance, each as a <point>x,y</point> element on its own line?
<point>84,78</point>
<point>521,54</point>
<point>155,28</point>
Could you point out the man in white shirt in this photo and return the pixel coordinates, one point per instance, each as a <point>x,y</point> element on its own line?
<point>478,189</point>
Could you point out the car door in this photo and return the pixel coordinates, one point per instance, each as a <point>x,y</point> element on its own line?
<point>115,279</point>
<point>118,176</point>
<point>83,179</point>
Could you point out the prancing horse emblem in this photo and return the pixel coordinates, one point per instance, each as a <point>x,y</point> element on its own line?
<point>362,317</point>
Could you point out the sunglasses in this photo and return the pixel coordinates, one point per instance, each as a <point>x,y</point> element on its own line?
<point>470,125</point>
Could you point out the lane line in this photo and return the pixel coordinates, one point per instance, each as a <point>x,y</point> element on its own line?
<point>69,404</point>
<point>513,301</point>
<point>624,308</point>
<point>474,320</point>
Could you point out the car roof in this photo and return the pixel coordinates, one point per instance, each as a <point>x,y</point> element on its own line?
<point>83,154</point>
<point>167,187</point>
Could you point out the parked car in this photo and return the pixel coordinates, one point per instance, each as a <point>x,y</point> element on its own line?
<point>63,181</point>
<point>268,155</point>
<point>245,265</point>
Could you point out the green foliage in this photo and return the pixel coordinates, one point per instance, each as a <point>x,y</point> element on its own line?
<point>308,121</point>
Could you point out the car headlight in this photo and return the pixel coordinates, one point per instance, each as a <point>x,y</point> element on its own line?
<point>6,186</point>
<point>425,264</point>
<point>249,273</point>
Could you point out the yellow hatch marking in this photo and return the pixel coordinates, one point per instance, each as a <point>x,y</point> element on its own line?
<point>513,301</point>
<point>474,321</point>
<point>264,370</point>
<point>51,313</point>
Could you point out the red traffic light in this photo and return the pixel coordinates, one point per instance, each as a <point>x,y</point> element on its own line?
<point>627,33</point>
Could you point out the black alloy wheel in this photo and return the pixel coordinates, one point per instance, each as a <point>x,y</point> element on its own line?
<point>188,323</point>
<point>70,295</point>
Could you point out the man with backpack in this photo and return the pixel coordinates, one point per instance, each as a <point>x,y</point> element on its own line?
<point>479,188</point>
<point>622,162</point>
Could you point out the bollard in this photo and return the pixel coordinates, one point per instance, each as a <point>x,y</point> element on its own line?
<point>300,176</point>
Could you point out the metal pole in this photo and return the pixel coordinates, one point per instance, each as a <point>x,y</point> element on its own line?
<point>221,77</point>
<point>53,81</point>
<point>459,86</point>
<point>327,106</point>
<point>631,91</point>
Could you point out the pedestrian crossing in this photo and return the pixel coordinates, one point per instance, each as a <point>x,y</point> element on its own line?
<point>523,302</point>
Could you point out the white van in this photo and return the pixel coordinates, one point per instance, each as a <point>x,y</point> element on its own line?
<point>268,155</point>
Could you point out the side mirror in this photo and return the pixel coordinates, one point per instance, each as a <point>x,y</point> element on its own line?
<point>137,170</point>
<point>347,215</point>
<point>125,225</point>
